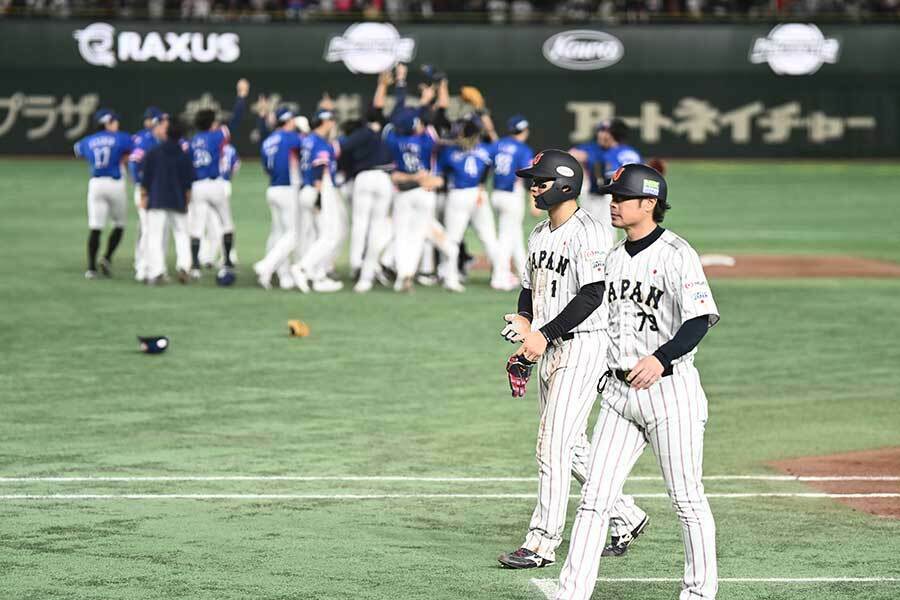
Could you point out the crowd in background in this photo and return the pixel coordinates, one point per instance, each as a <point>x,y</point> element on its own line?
<point>491,11</point>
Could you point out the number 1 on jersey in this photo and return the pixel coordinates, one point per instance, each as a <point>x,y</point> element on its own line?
<point>553,289</point>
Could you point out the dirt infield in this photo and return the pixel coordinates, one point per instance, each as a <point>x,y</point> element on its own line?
<point>867,463</point>
<point>776,266</point>
<point>798,266</point>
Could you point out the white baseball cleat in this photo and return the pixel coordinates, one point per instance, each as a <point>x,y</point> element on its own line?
<point>286,282</point>
<point>263,278</point>
<point>90,274</point>
<point>403,284</point>
<point>362,286</point>
<point>326,285</point>
<point>454,287</point>
<point>300,279</point>
<point>196,274</point>
<point>505,283</point>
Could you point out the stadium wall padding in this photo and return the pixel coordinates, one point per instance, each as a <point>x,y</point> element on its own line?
<point>687,91</point>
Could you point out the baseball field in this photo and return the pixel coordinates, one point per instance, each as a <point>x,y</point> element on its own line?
<point>382,457</point>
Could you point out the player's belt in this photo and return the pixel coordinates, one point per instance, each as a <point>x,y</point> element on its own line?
<point>622,375</point>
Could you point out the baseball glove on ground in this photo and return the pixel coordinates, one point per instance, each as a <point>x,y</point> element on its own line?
<point>472,95</point>
<point>518,369</point>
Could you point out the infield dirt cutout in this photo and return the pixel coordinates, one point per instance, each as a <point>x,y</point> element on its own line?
<point>866,463</point>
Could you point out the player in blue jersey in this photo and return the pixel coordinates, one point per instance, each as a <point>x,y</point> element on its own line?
<point>412,146</point>
<point>211,250</point>
<point>509,154</point>
<point>465,166</point>
<point>319,197</point>
<point>105,151</point>
<point>280,153</point>
<point>143,141</point>
<point>616,153</point>
<point>208,191</point>
<point>590,155</point>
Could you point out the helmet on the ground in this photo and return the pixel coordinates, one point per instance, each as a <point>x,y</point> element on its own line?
<point>560,166</point>
<point>225,277</point>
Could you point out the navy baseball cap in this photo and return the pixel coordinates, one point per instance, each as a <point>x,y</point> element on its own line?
<point>323,114</point>
<point>517,124</point>
<point>105,115</point>
<point>617,127</point>
<point>405,121</point>
<point>153,113</point>
<point>284,114</point>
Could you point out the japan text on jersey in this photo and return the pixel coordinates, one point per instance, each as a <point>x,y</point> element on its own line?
<point>651,294</point>
<point>316,156</point>
<point>509,155</point>
<point>412,153</point>
<point>560,262</point>
<point>464,168</point>
<point>617,157</point>
<point>104,152</point>
<point>279,151</point>
<point>142,142</point>
<point>206,151</point>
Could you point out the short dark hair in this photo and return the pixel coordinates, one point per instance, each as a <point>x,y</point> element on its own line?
<point>204,119</point>
<point>618,130</point>
<point>175,130</point>
<point>659,210</point>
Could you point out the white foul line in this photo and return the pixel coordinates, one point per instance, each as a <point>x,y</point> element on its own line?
<point>395,496</point>
<point>549,586</point>
<point>351,478</point>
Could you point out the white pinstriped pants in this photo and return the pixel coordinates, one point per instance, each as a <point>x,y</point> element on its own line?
<point>671,417</point>
<point>569,372</point>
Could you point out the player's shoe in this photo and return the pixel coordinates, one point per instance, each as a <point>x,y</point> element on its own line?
<point>454,286</point>
<point>196,274</point>
<point>427,279</point>
<point>158,280</point>
<point>183,276</point>
<point>286,282</point>
<point>327,285</point>
<point>362,286</point>
<point>105,266</point>
<point>234,257</point>
<point>505,283</point>
<point>90,274</point>
<point>300,279</point>
<point>403,284</point>
<point>523,558</point>
<point>618,546</point>
<point>264,279</point>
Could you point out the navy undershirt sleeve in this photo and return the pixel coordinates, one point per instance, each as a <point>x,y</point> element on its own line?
<point>525,306</point>
<point>585,302</point>
<point>686,339</point>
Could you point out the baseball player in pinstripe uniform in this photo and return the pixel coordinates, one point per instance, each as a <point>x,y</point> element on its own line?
<point>559,322</point>
<point>660,307</point>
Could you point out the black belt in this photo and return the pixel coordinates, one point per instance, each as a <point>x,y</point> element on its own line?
<point>623,375</point>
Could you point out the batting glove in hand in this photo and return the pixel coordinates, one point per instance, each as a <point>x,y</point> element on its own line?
<point>518,369</point>
<point>515,329</point>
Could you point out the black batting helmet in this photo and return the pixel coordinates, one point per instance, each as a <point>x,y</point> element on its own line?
<point>637,181</point>
<point>560,166</point>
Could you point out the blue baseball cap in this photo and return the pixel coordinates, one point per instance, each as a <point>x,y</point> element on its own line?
<point>405,121</point>
<point>324,114</point>
<point>153,113</point>
<point>517,124</point>
<point>105,115</point>
<point>284,114</point>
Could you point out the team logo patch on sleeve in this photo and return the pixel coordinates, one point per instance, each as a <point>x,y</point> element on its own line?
<point>650,187</point>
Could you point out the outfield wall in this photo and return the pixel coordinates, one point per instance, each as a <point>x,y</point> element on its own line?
<point>688,90</point>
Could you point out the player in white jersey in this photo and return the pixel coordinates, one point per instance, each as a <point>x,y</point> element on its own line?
<point>560,320</point>
<point>660,307</point>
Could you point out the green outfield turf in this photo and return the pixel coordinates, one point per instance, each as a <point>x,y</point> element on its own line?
<point>413,386</point>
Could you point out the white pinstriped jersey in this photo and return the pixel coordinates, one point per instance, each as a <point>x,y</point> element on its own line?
<point>650,295</point>
<point>560,262</point>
